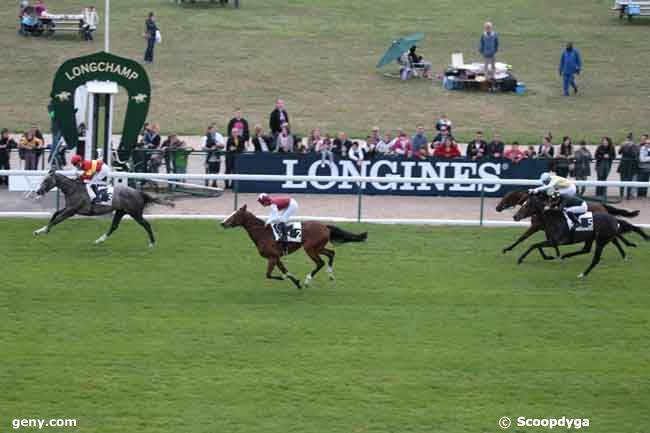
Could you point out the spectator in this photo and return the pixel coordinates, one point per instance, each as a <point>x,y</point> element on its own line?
<point>629,164</point>
<point>214,145</point>
<point>39,8</point>
<point>284,142</point>
<point>443,121</point>
<point>278,117</point>
<point>515,154</point>
<point>417,61</point>
<point>382,147</point>
<point>374,133</point>
<point>488,47</point>
<point>28,22</point>
<point>31,147</point>
<point>570,65</point>
<point>240,123</point>
<point>179,153</point>
<point>442,137</point>
<point>644,164</point>
<point>496,147</point>
<point>447,150</point>
<point>423,152</point>
<point>314,140</point>
<point>546,150</point>
<point>402,146</point>
<point>565,157</point>
<point>234,145</point>
<point>324,146</point>
<point>90,23</point>
<point>582,165</point>
<point>152,157</point>
<point>81,140</point>
<point>6,144</point>
<point>605,155</point>
<point>341,145</point>
<point>356,153</point>
<point>150,35</point>
<point>477,148</point>
<point>261,142</point>
<point>530,152</point>
<point>419,139</point>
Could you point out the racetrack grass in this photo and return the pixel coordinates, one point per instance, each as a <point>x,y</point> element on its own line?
<point>426,329</point>
<point>320,56</point>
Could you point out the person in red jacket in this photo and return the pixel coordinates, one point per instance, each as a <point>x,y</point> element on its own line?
<point>447,150</point>
<point>282,208</point>
<point>92,172</point>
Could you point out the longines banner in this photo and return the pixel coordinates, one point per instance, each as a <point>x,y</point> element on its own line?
<point>310,165</point>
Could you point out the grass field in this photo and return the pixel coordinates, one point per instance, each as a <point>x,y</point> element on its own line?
<point>426,330</point>
<point>320,57</point>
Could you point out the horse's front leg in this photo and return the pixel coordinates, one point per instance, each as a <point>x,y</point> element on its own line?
<point>288,274</point>
<point>57,217</point>
<point>269,269</point>
<point>538,245</point>
<point>528,233</point>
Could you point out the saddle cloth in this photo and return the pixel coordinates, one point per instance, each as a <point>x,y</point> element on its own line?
<point>586,222</point>
<point>104,195</point>
<point>294,232</point>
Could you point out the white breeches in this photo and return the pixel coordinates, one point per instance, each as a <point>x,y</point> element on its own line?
<point>578,210</point>
<point>289,211</point>
<point>567,192</point>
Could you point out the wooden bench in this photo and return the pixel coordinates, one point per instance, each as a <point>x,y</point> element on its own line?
<point>632,8</point>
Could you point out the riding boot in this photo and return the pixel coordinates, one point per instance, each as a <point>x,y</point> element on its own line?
<point>575,220</point>
<point>284,237</point>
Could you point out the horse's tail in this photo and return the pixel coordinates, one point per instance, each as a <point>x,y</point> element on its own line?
<point>338,235</point>
<point>626,227</point>
<point>620,212</point>
<point>148,199</point>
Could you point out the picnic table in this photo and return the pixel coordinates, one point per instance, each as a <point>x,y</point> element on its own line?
<point>55,23</point>
<point>632,8</point>
<point>235,3</point>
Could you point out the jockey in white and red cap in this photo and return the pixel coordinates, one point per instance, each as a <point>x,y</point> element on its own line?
<point>282,208</point>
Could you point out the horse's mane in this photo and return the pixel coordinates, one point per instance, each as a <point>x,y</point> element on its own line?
<point>256,220</point>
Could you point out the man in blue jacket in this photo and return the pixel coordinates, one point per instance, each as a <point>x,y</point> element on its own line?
<point>488,48</point>
<point>570,64</point>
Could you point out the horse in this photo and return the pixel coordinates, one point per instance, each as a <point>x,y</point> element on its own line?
<point>315,237</point>
<point>515,198</point>
<point>606,228</point>
<point>125,201</point>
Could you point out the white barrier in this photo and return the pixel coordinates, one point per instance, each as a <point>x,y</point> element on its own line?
<point>304,178</point>
<point>355,179</point>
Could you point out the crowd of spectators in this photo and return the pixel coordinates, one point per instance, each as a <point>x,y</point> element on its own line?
<point>566,158</point>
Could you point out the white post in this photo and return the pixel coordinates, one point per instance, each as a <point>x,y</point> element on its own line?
<point>107,29</point>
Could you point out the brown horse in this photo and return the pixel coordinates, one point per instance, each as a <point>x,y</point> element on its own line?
<point>315,237</point>
<point>518,198</point>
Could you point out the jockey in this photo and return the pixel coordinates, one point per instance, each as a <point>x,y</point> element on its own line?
<point>572,206</point>
<point>552,183</point>
<point>282,208</point>
<point>93,173</point>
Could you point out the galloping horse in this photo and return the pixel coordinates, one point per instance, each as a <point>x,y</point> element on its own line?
<point>606,228</point>
<point>515,198</point>
<point>126,200</point>
<point>315,237</point>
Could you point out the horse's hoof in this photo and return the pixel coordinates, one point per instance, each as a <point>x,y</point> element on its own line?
<point>152,244</point>
<point>581,276</point>
<point>505,250</point>
<point>308,279</point>
<point>519,262</point>
<point>101,239</point>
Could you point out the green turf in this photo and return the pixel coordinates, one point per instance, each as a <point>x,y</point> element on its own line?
<point>320,57</point>
<point>426,330</point>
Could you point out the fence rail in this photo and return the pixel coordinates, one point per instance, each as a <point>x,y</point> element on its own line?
<point>481,221</point>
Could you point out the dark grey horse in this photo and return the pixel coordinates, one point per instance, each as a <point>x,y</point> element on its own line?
<point>606,229</point>
<point>126,200</point>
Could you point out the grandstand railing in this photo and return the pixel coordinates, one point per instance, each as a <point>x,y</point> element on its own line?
<point>350,179</point>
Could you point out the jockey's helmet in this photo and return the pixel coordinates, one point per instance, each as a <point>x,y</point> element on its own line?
<point>76,159</point>
<point>263,198</point>
<point>545,178</point>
